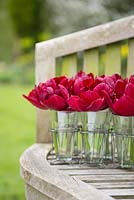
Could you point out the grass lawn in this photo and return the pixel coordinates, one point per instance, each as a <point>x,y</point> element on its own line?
<point>17,132</point>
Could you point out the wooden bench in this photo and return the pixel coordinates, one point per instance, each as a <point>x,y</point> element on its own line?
<point>108,49</point>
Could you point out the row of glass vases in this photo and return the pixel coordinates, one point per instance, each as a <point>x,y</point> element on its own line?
<point>94,137</point>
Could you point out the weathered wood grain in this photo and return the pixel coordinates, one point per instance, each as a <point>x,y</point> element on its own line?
<point>114,185</point>
<point>120,192</point>
<point>106,178</point>
<point>54,184</point>
<point>86,39</point>
<point>96,171</point>
<point>33,194</point>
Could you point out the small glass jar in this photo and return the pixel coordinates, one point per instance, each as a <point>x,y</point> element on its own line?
<point>67,140</point>
<point>63,143</point>
<point>94,145</point>
<point>65,119</point>
<point>97,137</point>
<point>125,150</point>
<point>124,133</point>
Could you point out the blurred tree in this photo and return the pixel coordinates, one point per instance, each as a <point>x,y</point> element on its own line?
<point>74,15</point>
<point>69,16</point>
<point>118,8</point>
<point>31,22</point>
<point>27,17</point>
<point>6,34</point>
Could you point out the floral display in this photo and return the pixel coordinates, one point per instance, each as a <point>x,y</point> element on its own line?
<point>84,122</point>
<point>85,92</point>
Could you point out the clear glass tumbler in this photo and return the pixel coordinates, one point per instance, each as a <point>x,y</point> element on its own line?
<point>124,133</point>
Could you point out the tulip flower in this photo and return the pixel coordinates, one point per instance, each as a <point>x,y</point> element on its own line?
<point>123,105</point>
<point>49,95</point>
<point>87,101</point>
<point>113,85</point>
<point>83,82</point>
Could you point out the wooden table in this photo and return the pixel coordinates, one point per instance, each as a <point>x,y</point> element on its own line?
<point>72,182</point>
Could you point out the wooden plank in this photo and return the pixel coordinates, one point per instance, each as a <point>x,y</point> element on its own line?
<point>106,178</point>
<point>114,185</point>
<point>91,61</point>
<point>33,194</point>
<point>45,69</point>
<point>130,67</point>
<point>43,126</point>
<point>89,38</point>
<point>91,171</point>
<point>69,65</point>
<point>124,198</point>
<point>45,66</point>
<point>37,172</point>
<point>120,192</point>
<point>113,59</point>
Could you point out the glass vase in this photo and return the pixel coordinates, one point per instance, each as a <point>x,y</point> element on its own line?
<point>94,146</point>
<point>97,137</point>
<point>67,140</point>
<point>124,132</point>
<point>63,143</point>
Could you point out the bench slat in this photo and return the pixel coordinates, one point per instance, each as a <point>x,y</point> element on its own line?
<point>113,59</point>
<point>69,65</point>
<point>120,192</point>
<point>130,67</point>
<point>114,185</point>
<point>91,61</point>
<point>96,171</point>
<point>106,178</point>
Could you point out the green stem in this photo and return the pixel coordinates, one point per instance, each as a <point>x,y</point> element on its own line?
<point>86,143</point>
<point>107,145</point>
<point>132,151</point>
<point>69,139</point>
<point>55,138</point>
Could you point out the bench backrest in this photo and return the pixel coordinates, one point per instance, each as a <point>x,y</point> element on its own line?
<point>104,49</point>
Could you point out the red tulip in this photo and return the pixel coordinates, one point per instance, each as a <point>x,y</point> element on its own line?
<point>83,82</point>
<point>33,98</point>
<point>114,85</point>
<point>124,105</point>
<point>87,101</point>
<point>49,95</point>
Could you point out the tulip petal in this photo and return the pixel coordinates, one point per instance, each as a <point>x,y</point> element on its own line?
<point>89,96</point>
<point>77,104</point>
<point>124,106</point>
<point>120,87</point>
<point>60,79</point>
<point>55,102</point>
<point>64,92</point>
<point>78,86</point>
<point>131,80</point>
<point>100,87</point>
<point>35,102</point>
<point>108,100</point>
<point>130,91</point>
<point>96,105</point>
